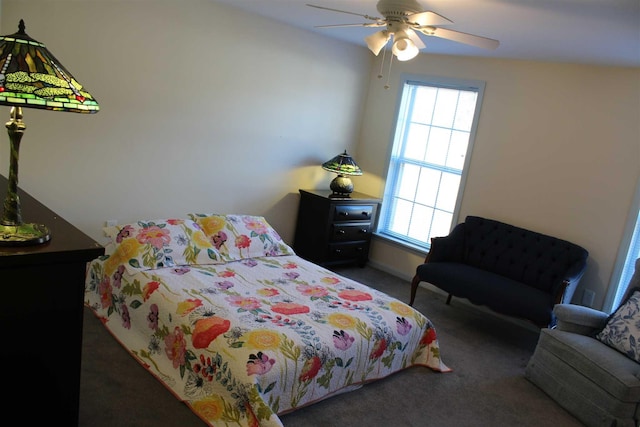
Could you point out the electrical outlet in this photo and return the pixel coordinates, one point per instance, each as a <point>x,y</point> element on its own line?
<point>110,222</point>
<point>587,297</point>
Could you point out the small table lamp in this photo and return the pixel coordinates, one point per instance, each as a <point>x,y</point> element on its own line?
<point>30,76</point>
<point>344,165</point>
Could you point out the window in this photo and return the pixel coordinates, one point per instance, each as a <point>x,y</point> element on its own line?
<point>435,127</point>
<point>628,254</point>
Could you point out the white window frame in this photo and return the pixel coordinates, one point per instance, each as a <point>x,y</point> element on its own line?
<point>628,252</point>
<point>383,229</point>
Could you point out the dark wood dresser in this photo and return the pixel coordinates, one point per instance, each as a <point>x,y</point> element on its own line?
<point>41,312</point>
<point>334,231</point>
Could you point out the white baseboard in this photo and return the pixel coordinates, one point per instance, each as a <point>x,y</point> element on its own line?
<point>392,271</point>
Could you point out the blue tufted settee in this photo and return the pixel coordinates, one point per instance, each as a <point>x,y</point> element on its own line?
<point>511,270</point>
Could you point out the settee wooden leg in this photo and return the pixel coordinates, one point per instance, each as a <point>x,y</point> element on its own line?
<point>414,288</point>
<point>449,299</point>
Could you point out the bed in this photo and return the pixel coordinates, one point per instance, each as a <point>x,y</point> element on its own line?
<point>237,326</point>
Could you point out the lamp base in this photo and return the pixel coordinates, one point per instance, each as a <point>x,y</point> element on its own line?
<point>341,186</point>
<point>23,234</point>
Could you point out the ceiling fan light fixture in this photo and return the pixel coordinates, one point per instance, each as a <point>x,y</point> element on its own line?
<point>376,41</point>
<point>403,47</point>
<point>404,19</point>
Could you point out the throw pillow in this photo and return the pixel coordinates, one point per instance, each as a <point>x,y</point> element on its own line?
<point>622,330</point>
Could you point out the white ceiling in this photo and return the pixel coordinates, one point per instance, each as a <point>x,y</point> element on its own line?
<point>603,32</point>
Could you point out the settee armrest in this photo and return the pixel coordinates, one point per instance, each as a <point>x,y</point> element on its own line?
<point>579,319</point>
<point>563,291</point>
<point>448,248</point>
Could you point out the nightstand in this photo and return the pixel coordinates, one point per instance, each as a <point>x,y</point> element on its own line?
<point>334,231</point>
<point>41,314</point>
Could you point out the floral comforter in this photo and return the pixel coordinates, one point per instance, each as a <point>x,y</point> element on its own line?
<point>241,341</point>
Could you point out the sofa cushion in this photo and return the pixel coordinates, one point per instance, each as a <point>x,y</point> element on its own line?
<point>611,370</point>
<point>622,330</point>
<point>481,287</point>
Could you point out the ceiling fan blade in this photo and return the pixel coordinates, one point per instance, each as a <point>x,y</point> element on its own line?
<point>372,18</point>
<point>460,37</point>
<point>377,41</point>
<point>428,18</point>
<point>368,25</point>
<point>415,39</point>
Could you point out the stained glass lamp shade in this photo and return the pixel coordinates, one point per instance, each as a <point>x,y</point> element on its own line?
<point>31,77</point>
<point>344,165</point>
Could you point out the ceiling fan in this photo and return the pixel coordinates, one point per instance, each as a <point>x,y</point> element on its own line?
<point>402,20</point>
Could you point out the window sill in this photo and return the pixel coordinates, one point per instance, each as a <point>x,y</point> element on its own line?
<point>418,250</point>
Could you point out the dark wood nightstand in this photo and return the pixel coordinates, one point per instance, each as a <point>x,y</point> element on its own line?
<point>335,230</point>
<point>41,313</point>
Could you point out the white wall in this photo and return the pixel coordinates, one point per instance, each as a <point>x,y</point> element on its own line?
<point>256,106</point>
<point>557,150</point>
<point>203,108</point>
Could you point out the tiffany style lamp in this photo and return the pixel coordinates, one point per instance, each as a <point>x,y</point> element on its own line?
<point>31,77</point>
<point>344,165</point>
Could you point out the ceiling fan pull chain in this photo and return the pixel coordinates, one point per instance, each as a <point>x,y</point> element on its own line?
<point>384,53</point>
<point>386,86</point>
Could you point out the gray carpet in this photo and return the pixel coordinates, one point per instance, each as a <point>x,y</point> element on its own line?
<point>486,388</point>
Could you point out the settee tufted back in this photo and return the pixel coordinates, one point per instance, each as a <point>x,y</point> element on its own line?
<point>526,256</point>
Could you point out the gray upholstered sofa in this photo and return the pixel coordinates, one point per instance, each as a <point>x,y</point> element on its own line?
<point>598,384</point>
<point>511,270</point>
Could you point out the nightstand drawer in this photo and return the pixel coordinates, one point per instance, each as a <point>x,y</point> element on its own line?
<point>335,230</point>
<point>347,251</point>
<point>350,232</point>
<point>352,212</point>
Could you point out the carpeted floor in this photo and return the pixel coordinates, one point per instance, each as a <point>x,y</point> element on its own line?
<point>487,387</point>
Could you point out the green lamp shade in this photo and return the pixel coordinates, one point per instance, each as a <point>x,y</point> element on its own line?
<point>30,76</point>
<point>342,164</point>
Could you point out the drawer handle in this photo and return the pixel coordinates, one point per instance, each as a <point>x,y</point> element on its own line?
<point>364,230</point>
<point>338,251</point>
<point>344,213</point>
<point>365,214</point>
<point>359,249</point>
<point>342,232</point>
